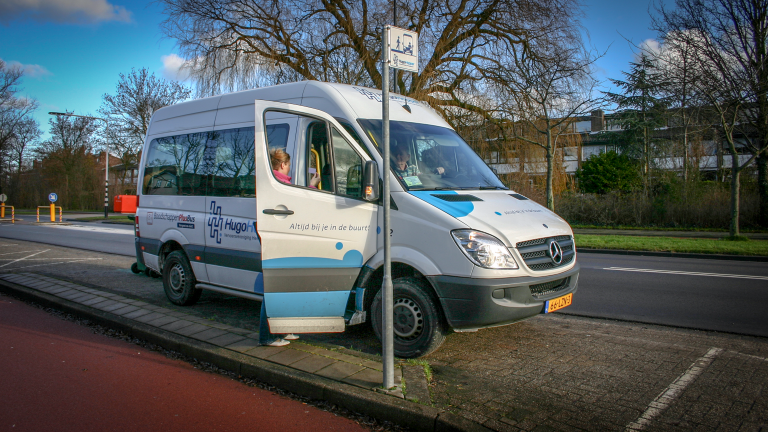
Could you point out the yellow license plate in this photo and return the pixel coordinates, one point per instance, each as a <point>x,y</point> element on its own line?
<point>558,303</point>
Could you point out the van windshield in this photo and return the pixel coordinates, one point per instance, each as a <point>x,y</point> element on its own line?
<point>426,157</point>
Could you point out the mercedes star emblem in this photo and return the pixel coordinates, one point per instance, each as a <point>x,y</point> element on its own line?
<point>556,252</point>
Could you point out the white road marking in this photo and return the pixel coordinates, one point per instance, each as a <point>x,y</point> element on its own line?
<point>47,259</point>
<point>22,259</point>
<point>47,264</point>
<point>16,253</point>
<point>749,356</point>
<point>686,273</point>
<point>95,229</point>
<point>671,393</point>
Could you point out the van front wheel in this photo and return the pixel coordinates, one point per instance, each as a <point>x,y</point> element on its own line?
<point>417,324</point>
<point>179,281</point>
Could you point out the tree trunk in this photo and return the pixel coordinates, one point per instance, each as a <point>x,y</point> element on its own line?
<point>550,169</point>
<point>735,190</point>
<point>762,188</point>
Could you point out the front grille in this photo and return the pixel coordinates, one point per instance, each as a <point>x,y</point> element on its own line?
<point>546,289</point>
<point>535,253</point>
<point>456,198</point>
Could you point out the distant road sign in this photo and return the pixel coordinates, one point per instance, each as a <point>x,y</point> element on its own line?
<point>403,49</point>
<point>3,197</point>
<point>52,197</point>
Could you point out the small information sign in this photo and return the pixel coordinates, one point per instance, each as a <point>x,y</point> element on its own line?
<point>3,198</point>
<point>52,197</point>
<point>403,49</point>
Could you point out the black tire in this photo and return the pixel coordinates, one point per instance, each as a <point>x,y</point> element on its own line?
<point>418,325</point>
<point>179,281</point>
<point>135,268</point>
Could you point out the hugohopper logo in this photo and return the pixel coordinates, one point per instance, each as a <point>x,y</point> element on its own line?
<point>217,224</point>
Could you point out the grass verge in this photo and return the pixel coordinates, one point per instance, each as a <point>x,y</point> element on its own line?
<point>656,228</point>
<point>673,244</point>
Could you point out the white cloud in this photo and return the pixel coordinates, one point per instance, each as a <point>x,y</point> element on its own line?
<point>31,70</point>
<point>63,11</point>
<point>174,68</point>
<point>650,47</point>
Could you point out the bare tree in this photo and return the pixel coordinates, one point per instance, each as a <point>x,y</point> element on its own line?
<point>137,96</point>
<point>14,110</point>
<point>240,44</point>
<point>730,36</point>
<point>544,94</point>
<point>677,63</point>
<point>68,160</point>
<point>26,134</point>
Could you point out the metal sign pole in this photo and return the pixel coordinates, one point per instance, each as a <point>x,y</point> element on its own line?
<point>387,334</point>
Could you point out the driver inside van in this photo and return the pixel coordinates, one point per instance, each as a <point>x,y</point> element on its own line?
<point>400,158</point>
<point>281,168</point>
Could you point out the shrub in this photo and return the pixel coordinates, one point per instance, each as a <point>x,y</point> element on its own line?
<point>608,172</point>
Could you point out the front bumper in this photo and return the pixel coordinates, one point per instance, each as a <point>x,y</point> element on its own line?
<point>470,304</point>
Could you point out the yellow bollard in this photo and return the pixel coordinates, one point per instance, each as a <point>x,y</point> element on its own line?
<point>53,213</point>
<point>2,210</point>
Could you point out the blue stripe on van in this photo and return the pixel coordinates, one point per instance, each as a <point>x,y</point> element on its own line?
<point>455,209</point>
<point>306,304</point>
<point>352,259</point>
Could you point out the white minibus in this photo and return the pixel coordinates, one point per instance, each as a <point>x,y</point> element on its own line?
<point>467,252</point>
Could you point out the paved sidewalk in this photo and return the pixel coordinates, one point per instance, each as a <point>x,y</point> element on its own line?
<point>238,350</point>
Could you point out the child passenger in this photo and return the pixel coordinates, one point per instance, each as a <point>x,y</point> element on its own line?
<point>281,167</point>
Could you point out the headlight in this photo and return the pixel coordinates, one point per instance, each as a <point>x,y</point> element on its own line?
<point>484,249</point>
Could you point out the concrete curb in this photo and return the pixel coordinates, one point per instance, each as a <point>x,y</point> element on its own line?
<point>675,254</point>
<point>399,411</point>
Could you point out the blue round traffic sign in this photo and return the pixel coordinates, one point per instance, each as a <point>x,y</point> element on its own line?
<point>52,197</point>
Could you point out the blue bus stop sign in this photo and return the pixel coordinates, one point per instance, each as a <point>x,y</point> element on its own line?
<point>52,197</point>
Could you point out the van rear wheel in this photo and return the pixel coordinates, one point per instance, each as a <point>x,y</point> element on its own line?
<point>179,281</point>
<point>418,325</point>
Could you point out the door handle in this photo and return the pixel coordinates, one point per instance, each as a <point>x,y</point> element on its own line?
<point>277,212</point>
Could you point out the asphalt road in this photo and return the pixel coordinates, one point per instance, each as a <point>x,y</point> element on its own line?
<point>110,238</point>
<point>705,294</point>
<point>58,375</point>
<point>719,295</point>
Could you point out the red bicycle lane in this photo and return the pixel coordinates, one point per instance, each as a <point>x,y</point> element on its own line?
<point>58,375</point>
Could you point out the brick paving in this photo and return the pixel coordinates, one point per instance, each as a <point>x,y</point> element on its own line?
<point>567,373</point>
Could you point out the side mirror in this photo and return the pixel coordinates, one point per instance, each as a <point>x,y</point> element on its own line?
<point>371,181</point>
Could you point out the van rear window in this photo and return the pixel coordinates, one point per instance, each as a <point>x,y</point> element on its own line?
<point>216,163</point>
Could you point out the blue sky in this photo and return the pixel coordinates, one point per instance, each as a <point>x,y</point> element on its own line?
<point>74,51</point>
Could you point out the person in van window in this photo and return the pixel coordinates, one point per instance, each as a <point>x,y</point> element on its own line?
<point>281,168</point>
<point>400,158</point>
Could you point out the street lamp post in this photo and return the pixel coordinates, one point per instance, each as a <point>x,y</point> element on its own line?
<point>106,162</point>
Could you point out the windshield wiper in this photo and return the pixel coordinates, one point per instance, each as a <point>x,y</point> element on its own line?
<point>492,188</point>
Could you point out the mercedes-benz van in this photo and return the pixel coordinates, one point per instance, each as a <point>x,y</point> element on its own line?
<point>467,252</point>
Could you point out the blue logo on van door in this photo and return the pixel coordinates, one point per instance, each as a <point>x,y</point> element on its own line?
<point>218,224</point>
<point>215,222</point>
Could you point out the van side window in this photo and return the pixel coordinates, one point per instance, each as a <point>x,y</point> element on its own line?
<point>177,165</point>
<point>349,166</point>
<point>351,131</point>
<point>277,135</point>
<point>319,155</point>
<point>233,166</point>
